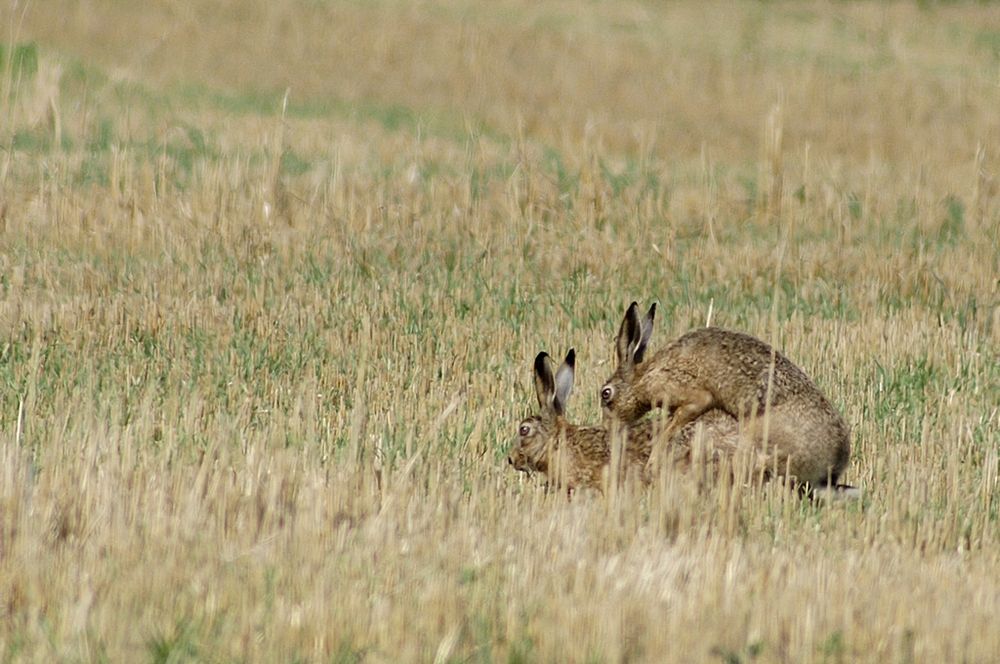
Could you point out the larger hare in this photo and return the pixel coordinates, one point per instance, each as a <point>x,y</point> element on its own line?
<point>579,457</point>
<point>781,409</point>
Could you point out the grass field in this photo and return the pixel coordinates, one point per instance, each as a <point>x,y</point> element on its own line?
<point>273,273</point>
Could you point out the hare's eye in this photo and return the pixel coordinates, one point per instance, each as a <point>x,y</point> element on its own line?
<point>607,394</point>
<point>524,430</point>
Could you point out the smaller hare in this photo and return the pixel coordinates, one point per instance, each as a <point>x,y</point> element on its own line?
<point>579,457</point>
<point>782,410</point>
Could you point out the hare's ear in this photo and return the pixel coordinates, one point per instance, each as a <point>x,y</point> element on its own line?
<point>545,383</point>
<point>645,334</point>
<point>628,333</point>
<point>633,336</point>
<point>564,382</point>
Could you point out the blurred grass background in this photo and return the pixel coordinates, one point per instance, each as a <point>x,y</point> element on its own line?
<point>272,275</point>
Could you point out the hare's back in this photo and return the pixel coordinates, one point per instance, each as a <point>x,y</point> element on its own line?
<point>744,366</point>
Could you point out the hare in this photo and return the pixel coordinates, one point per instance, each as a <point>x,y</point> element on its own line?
<point>781,409</point>
<point>579,457</point>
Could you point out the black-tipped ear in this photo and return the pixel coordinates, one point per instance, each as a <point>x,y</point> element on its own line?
<point>645,334</point>
<point>628,335</point>
<point>545,384</point>
<point>564,382</point>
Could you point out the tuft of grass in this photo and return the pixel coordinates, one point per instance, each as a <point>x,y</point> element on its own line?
<point>19,61</point>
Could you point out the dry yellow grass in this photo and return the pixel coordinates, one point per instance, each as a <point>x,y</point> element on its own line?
<point>262,356</point>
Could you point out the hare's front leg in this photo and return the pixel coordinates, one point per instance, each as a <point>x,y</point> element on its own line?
<point>687,406</point>
<point>683,407</point>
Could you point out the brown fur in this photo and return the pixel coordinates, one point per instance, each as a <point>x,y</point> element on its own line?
<point>783,411</point>
<point>579,457</point>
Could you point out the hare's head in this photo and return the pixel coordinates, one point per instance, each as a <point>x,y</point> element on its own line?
<point>618,399</point>
<point>538,436</point>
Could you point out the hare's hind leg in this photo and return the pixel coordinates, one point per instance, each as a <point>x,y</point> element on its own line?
<point>796,449</point>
